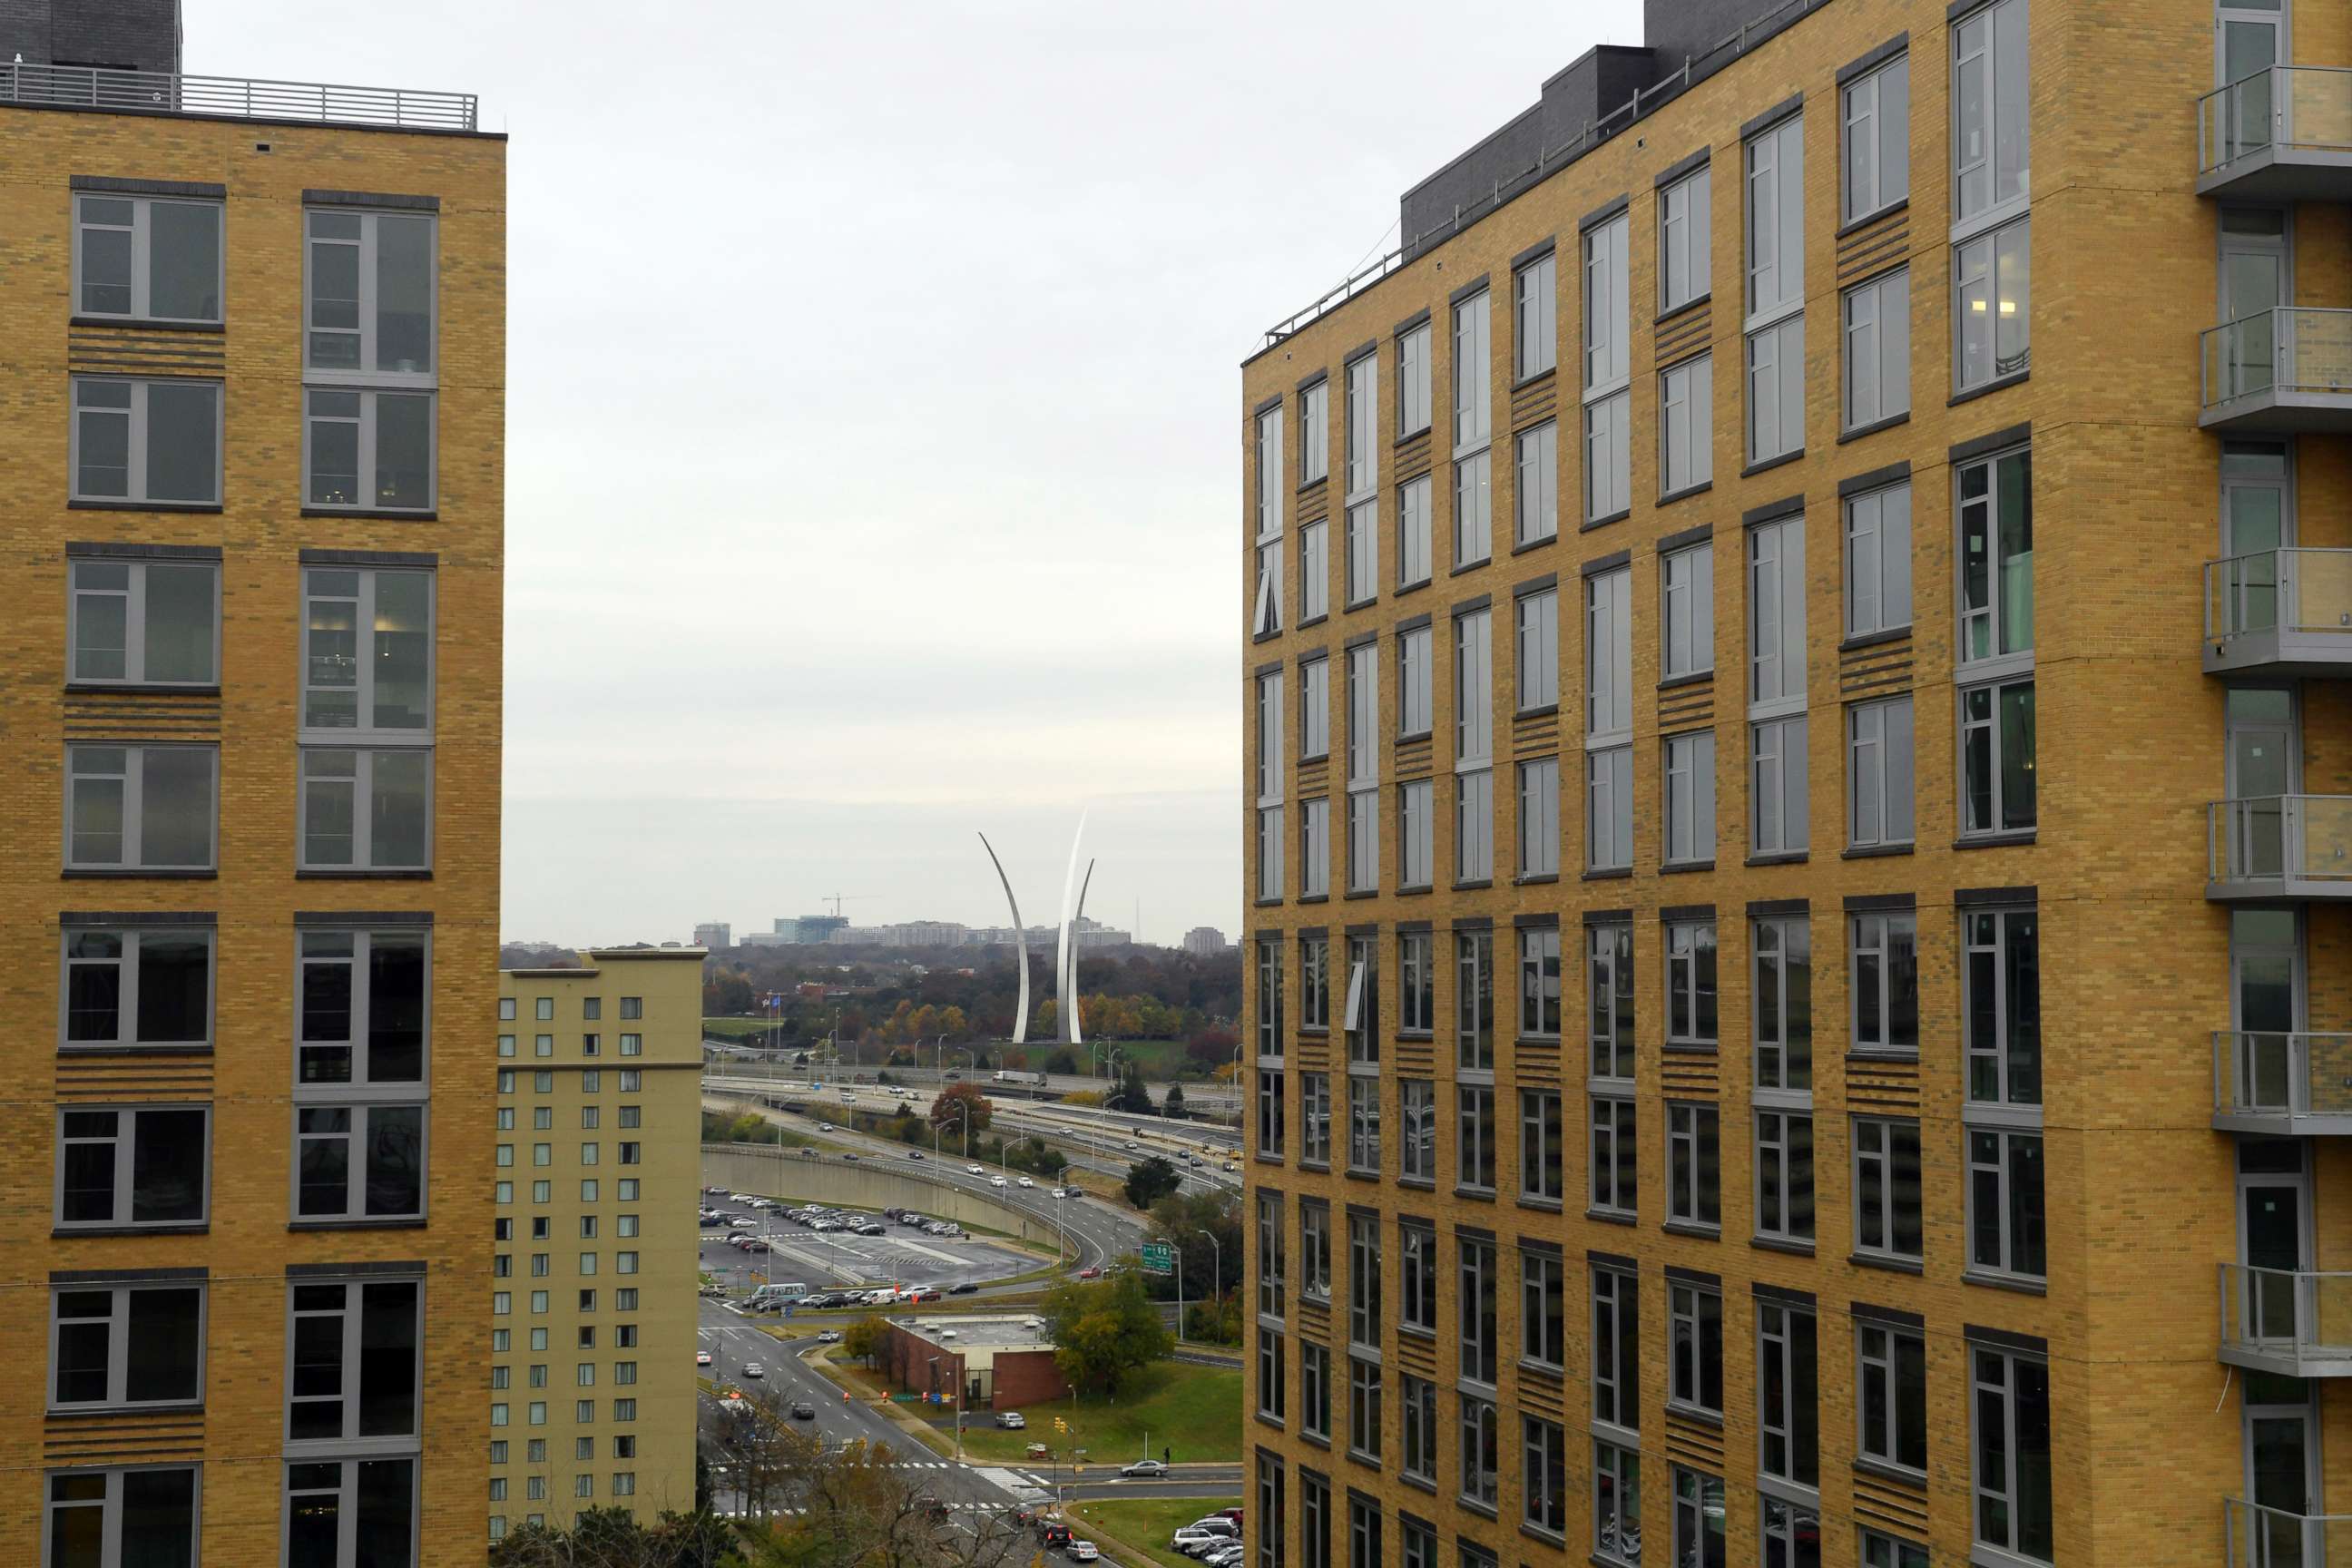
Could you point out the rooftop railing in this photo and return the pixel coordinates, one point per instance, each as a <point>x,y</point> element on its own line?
<point>2286,108</point>
<point>235,98</point>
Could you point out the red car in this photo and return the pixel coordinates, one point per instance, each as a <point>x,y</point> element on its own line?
<point>1089,1273</point>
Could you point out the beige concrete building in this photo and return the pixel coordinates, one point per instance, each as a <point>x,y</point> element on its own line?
<point>1800,809</point>
<point>252,425</point>
<point>593,1304</point>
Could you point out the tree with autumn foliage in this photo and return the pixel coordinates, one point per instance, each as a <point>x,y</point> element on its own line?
<point>961,1105</point>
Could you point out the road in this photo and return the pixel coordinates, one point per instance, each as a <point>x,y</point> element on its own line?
<point>966,1488</point>
<point>1201,1099</point>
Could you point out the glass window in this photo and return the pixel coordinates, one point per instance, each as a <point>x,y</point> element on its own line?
<point>1879,561</point>
<point>1538,644</point>
<point>1474,997</point>
<point>1363,563</point>
<point>1694,1166</point>
<point>1473,376</point>
<point>1787,1392</point>
<point>1992,285</point>
<point>1698,1520</point>
<point>1480,1278</point>
<point>1893,1406</point>
<point>141,807</point>
<point>1418,1309</point>
<point>1609,997</point>
<point>1362,413</point>
<point>1686,583</point>
<point>1315,707</point>
<point>147,259</point>
<point>1776,616</point>
<point>1474,1137</point>
<point>122,1346</point>
<point>1416,829</point>
<point>1474,826</point>
<point>1607,330</point>
<point>1997,758</point>
<point>1686,425</point>
<point>1990,115</point>
<point>1481,1457</point>
<point>1539,981</point>
<point>366,810</point>
<point>1690,983</point>
<point>1775,390</point>
<point>1364,1281</point>
<point>1885,981</point>
<point>1543,1474</point>
<point>2009,1420</point>
<point>1876,111</point>
<point>1473,688</point>
<point>1473,501</point>
<point>144,622</point>
<point>1315,1111</point>
<point>1539,818</point>
<point>1535,291</point>
<point>1412,533</point>
<point>134,986</point>
<point>1684,248</point>
<point>360,1162</point>
<point>1886,1551</point>
<point>1614,1188</point>
<point>1266,616</point>
<point>1418,1397</point>
<point>1314,433</point>
<point>1690,798</point>
<point>1536,486</point>
<point>1417,1108</point>
<point>150,442</point>
<point>1784,1176</point>
<point>1877,344</point>
<point>1609,809</point>
<point>1783,1004</point>
<point>1775,290</point>
<point>100,1516</point>
<point>1314,573</point>
<point>1540,1174</point>
<point>1616,1349</point>
<point>370,293</point>
<point>132,1166</point>
<point>1778,824</point>
<point>1695,1345</point>
<point>1270,498</point>
<point>1879,773</point>
<point>1608,457</point>
<point>368,451</point>
<point>1413,380</point>
<point>1414,679</point>
<point>1886,1187</point>
<point>1315,848</point>
<point>378,681</point>
<point>2006,1233</point>
<point>1609,655</point>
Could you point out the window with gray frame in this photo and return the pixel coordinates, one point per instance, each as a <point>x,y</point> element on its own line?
<point>1271,1505</point>
<point>1474,1137</point>
<point>1540,1157</point>
<point>1416,982</point>
<point>1418,1459</point>
<point>1686,426</point>
<point>1413,380</point>
<point>2009,1419</point>
<point>1995,699</point>
<point>1474,1000</point>
<point>1695,1345</point>
<point>1609,998</point>
<point>1536,487</point>
<point>1616,1503</point>
<point>1608,336</point>
<point>147,259</point>
<point>1879,561</point>
<point>1882,1551</point>
<point>129,1345</point>
<point>1414,682</point>
<point>1270,498</point>
<point>1892,1408</point>
<point>1538,647</point>
<point>1363,553</point>
<point>1689,828</point>
<point>1474,746</point>
<point>359,1162</point>
<point>143,622</point>
<point>1314,571</point>
<point>1417,1137</point>
<point>1684,219</point>
<point>1614,1191</point>
<point>1477,1304</point>
<point>1539,981</point>
<point>1609,718</point>
<point>1879,774</point>
<point>1417,1309</point>
<point>126,1514</point>
<point>1362,418</point>
<point>136,986</point>
<point>1364,1279</point>
<point>1777,686</point>
<point>1364,1530</point>
<point>1315,848</point>
<point>1874,110</point>
<point>1686,617</point>
<point>1694,1166</point>
<point>2001,1035</point>
<point>1782,989</point>
<point>1616,1348</point>
<point>1691,1007</point>
<point>1315,998</point>
<point>1270,1300</point>
<point>1992,304</point>
<point>368,450</point>
<point>1543,1475</point>
<point>1784,1176</point>
<point>1474,826</point>
<point>1364,1388</point>
<point>1886,1187</point>
<point>1314,1521</point>
<point>1363,777</point>
<point>1539,823</point>
<point>1314,433</point>
<point>1313,1249</point>
<point>1474,532</point>
<point>1416,832</point>
<point>1414,550</point>
<point>1543,1307</point>
<point>141,807</point>
<point>1480,1454</point>
<point>134,1166</point>
<point>1788,1393</point>
<point>1885,981</point>
<point>1877,338</point>
<point>1698,1520</point>
<point>1774,160</point>
<point>1535,292</point>
<point>366,810</point>
<point>1314,1389</point>
<point>150,441</point>
<point>361,1014</point>
<point>1272,1401</point>
<point>374,684</point>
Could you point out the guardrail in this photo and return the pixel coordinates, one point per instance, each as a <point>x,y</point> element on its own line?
<point>237,97</point>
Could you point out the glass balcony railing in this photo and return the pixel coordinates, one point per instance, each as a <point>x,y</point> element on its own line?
<point>2283,1083</point>
<point>2279,846</point>
<point>2261,1537</point>
<point>2298,1324</point>
<point>2282,132</point>
<point>2280,608</point>
<point>2288,367</point>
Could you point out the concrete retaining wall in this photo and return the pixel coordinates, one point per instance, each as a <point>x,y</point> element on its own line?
<point>770,1172</point>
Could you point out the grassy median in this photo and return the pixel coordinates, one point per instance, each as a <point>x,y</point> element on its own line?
<point>1185,1409</point>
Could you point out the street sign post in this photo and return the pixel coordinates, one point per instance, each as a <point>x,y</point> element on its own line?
<point>1158,1257</point>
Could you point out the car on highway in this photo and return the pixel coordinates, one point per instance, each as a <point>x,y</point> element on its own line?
<point>1230,1167</point>
<point>804,1411</point>
<point>824,1126</point>
<point>829,1337</point>
<point>974,1171</point>
<point>1090,1272</point>
<point>753,1369</point>
<point>1057,1533</point>
<point>966,1289</point>
<point>914,1153</point>
<point>1010,1421</point>
<point>848,1156</point>
<point>999,1181</point>
<point>1145,1470</point>
<point>1127,1148</point>
<point>702,1358</point>
<point>1027,1183</point>
<point>1082,1552</point>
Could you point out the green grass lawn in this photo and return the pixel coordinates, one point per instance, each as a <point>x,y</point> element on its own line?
<point>1193,1410</point>
<point>1146,1524</point>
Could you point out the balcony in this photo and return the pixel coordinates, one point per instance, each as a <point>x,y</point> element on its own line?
<point>232,97</point>
<point>2278,372</point>
<point>2297,1325</point>
<point>2279,847</point>
<point>2280,135</point>
<point>2261,1537</point>
<point>2283,1086</point>
<point>2280,612</point>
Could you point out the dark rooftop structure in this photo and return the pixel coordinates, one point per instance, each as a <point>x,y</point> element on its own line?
<point>115,35</point>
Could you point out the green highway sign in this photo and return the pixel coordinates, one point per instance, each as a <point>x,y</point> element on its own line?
<point>1158,1257</point>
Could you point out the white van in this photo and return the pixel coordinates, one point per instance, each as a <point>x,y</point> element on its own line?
<point>778,1291</point>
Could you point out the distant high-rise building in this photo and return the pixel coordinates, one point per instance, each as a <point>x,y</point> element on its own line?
<point>252,417</point>
<point>714,935</point>
<point>809,931</point>
<point>1205,941</point>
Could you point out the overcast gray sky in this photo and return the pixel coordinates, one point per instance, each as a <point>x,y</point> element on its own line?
<point>874,460</point>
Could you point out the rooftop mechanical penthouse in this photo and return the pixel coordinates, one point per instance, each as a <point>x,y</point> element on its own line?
<point>1799,773</point>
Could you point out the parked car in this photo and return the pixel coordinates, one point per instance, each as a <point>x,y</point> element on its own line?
<point>870,1228</point>
<point>829,1337</point>
<point>1232,1513</point>
<point>716,1192</point>
<point>1145,1470</point>
<point>1011,1420</point>
<point>1192,1542</point>
<point>824,1126</point>
<point>1218,1524</point>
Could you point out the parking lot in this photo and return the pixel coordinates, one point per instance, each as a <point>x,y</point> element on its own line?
<point>903,1255</point>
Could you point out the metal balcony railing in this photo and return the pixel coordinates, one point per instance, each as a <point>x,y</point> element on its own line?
<point>238,98</point>
<point>2286,608</point>
<point>2289,845</point>
<point>2283,1083</point>
<point>2285,353</point>
<point>2297,1324</point>
<point>2289,109</point>
<point>2261,1537</point>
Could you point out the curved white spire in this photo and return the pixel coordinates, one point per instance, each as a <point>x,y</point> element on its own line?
<point>1066,1007</point>
<point>1020,945</point>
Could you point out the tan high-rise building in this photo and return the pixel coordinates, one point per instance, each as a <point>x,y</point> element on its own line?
<point>592,1306</point>
<point>1732,1085</point>
<point>252,414</point>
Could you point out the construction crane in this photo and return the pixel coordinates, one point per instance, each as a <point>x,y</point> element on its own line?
<point>837,899</point>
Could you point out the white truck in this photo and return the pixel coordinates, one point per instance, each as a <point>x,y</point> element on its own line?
<point>1023,1079</point>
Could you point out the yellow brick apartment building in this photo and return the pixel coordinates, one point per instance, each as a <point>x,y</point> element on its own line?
<point>593,1295</point>
<point>252,367</point>
<point>1799,773</point>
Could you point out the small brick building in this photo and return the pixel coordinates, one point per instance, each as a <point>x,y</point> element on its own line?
<point>1000,1363</point>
